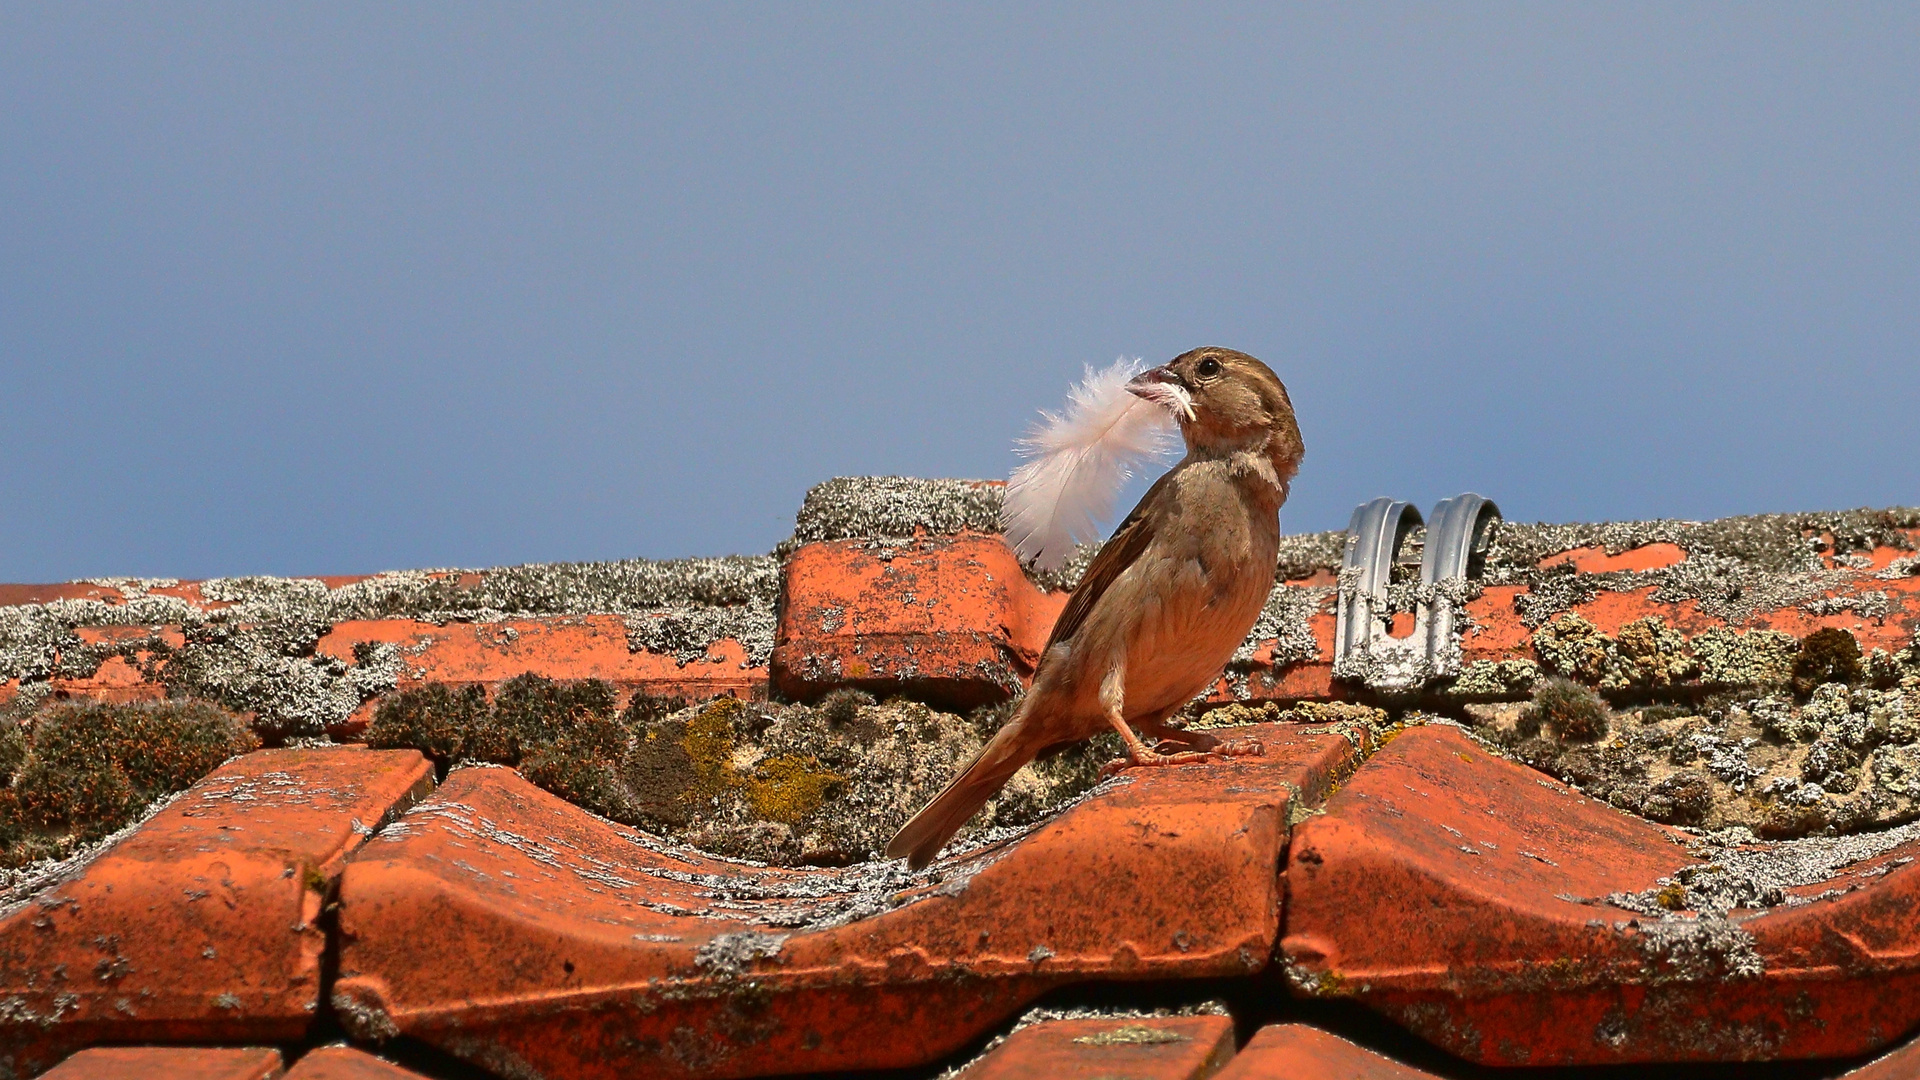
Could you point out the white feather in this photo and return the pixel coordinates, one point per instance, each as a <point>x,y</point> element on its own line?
<point>1081,459</point>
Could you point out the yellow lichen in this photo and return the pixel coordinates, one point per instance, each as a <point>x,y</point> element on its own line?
<point>709,744</point>
<point>788,788</point>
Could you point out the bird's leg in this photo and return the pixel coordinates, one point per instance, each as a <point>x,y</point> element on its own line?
<point>1169,739</point>
<point>1138,753</point>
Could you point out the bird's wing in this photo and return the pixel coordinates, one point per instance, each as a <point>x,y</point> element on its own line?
<point>1120,552</point>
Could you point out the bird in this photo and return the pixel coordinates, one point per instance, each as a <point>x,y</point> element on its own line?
<point>1169,597</point>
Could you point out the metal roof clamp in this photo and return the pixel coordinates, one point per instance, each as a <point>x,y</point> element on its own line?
<point>1364,651</point>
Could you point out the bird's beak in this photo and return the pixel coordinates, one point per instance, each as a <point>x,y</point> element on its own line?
<point>1165,389</point>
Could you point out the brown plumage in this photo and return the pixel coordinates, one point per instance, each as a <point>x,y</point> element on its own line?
<point>1167,600</point>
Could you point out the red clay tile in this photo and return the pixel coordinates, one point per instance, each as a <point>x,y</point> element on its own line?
<point>1299,1052</point>
<point>47,594</point>
<point>1499,633</point>
<point>170,1062</point>
<point>1160,1048</point>
<point>1463,895</point>
<point>1892,631</point>
<point>346,1063</point>
<point>955,620</point>
<point>1902,1064</point>
<point>200,926</point>
<point>1881,557</point>
<point>559,647</point>
<point>521,933</point>
<point>1299,680</point>
<point>1594,560</point>
<point>951,619</point>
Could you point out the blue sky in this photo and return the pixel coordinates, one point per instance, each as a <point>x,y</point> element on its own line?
<point>338,288</point>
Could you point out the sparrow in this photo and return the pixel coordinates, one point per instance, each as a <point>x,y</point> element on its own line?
<point>1167,600</point>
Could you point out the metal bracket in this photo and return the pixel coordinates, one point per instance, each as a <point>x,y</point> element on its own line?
<point>1364,651</point>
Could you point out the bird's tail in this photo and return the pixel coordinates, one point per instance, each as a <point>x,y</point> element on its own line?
<point>920,839</point>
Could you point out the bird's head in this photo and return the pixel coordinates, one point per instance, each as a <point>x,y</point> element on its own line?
<point>1226,402</point>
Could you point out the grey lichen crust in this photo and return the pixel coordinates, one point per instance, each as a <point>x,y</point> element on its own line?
<point>1733,568</point>
<point>1844,757</point>
<point>895,507</point>
<point>258,652</point>
<point>1130,1027</point>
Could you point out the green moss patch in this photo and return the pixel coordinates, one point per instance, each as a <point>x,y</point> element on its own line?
<point>75,773</point>
<point>781,784</point>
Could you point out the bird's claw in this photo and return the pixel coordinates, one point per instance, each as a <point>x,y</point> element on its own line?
<point>1154,759</point>
<point>1172,752</point>
<point>1246,747</point>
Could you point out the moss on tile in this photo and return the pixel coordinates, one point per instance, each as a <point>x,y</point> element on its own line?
<point>1841,762</point>
<point>1827,655</point>
<point>783,784</point>
<point>76,772</point>
<point>708,742</point>
<point>436,720</point>
<point>1572,713</point>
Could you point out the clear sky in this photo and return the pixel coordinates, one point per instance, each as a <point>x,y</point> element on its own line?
<point>340,288</point>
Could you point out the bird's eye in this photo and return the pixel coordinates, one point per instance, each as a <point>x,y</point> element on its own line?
<point>1208,368</point>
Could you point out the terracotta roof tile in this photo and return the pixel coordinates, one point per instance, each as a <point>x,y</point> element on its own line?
<point>346,1063</point>
<point>202,925</point>
<point>1512,921</point>
<point>520,933</point>
<point>1151,1048</point>
<point>171,1062</point>
<point>1300,1052</point>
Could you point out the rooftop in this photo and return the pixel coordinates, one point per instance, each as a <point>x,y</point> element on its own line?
<point>1655,800</point>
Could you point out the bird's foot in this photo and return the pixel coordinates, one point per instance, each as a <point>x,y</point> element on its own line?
<point>1153,759</point>
<point>1201,742</point>
<point>1246,747</point>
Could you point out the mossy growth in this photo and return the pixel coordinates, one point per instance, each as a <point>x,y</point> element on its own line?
<point>74,773</point>
<point>841,707</point>
<point>1684,798</point>
<point>535,716</point>
<point>568,738</point>
<point>531,715</point>
<point>435,719</point>
<point>1569,711</point>
<point>1757,658</point>
<point>789,787</point>
<point>1828,655</point>
<point>1647,653</point>
<point>783,784</point>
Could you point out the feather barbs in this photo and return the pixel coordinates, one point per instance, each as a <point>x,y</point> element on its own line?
<point>1082,457</point>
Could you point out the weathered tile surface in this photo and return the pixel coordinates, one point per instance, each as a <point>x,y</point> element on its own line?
<point>1159,1048</point>
<point>951,619</point>
<point>1900,1064</point>
<point>170,1063</point>
<point>201,925</point>
<point>1300,1052</point>
<point>560,647</point>
<point>519,932</point>
<point>1467,897</point>
<point>347,1063</point>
